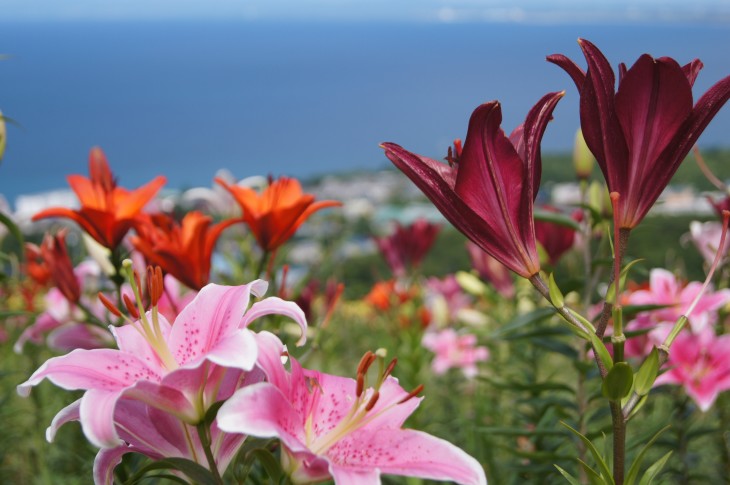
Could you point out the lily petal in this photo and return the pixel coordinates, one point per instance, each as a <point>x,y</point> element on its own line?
<point>97,417</point>
<point>275,305</point>
<point>105,463</point>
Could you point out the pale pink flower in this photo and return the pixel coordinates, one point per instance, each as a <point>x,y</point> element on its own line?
<point>701,363</point>
<point>330,428</point>
<point>666,289</point>
<point>179,369</point>
<point>454,351</point>
<point>447,292</point>
<point>706,237</point>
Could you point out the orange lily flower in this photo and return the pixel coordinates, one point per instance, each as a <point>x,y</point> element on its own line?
<point>182,249</point>
<point>107,211</point>
<point>276,214</point>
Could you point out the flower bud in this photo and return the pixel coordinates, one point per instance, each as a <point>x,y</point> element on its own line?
<point>583,159</point>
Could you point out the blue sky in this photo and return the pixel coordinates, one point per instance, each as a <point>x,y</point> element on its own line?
<point>531,11</point>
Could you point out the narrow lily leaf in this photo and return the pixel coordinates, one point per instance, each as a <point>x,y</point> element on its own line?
<point>633,473</point>
<point>527,319</point>
<point>556,296</point>
<point>556,218</point>
<point>647,373</point>
<point>654,470</point>
<point>617,383</point>
<point>570,478</point>
<point>603,467</point>
<point>638,406</point>
<point>600,349</point>
<point>270,464</point>
<point>611,293</point>
<point>197,473</point>
<point>594,477</point>
<point>14,230</point>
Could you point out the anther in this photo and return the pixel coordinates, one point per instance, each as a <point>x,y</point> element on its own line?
<point>365,363</point>
<point>415,392</point>
<point>133,312</point>
<point>360,385</point>
<point>371,403</point>
<point>390,367</point>
<point>109,305</point>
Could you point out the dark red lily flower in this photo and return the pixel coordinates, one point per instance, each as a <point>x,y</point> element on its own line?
<point>183,250</point>
<point>488,193</point>
<point>55,255</point>
<point>35,266</point>
<point>719,205</point>
<point>556,239</point>
<point>406,247</point>
<point>107,211</point>
<point>642,132</point>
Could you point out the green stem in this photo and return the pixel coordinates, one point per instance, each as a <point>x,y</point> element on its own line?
<point>607,310</point>
<point>619,442</point>
<point>203,431</point>
<point>262,264</point>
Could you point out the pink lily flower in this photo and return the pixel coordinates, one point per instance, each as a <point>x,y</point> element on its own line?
<point>454,351</point>
<point>706,237</point>
<point>701,363</point>
<point>666,289</point>
<point>176,368</point>
<point>333,428</point>
<point>158,435</point>
<point>641,132</point>
<point>488,191</point>
<point>447,293</point>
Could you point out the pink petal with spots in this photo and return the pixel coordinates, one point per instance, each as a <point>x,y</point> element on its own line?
<point>237,350</point>
<point>262,410</point>
<point>276,306</point>
<point>103,369</point>
<point>69,413</point>
<point>215,313</point>
<point>404,452</point>
<point>105,463</point>
<point>355,477</point>
<point>97,417</point>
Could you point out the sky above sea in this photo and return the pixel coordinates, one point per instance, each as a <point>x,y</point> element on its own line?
<point>258,92</point>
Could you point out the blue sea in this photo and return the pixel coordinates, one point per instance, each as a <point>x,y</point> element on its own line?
<point>186,98</point>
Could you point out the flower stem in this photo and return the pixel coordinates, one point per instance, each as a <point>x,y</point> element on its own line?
<point>203,434</point>
<point>619,442</point>
<point>262,264</point>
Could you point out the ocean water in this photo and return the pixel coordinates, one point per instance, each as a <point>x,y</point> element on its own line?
<point>186,98</point>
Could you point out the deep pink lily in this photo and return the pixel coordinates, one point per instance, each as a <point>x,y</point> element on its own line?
<point>642,132</point>
<point>556,239</point>
<point>332,428</point>
<point>178,368</point>
<point>701,363</point>
<point>488,194</point>
<point>491,270</point>
<point>406,247</point>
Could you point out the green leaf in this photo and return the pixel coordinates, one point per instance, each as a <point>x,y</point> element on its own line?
<point>556,218</point>
<point>633,473</point>
<point>603,467</point>
<point>269,462</point>
<point>647,373</point>
<point>617,383</point>
<point>571,479</point>
<point>14,230</point>
<point>556,296</point>
<point>196,472</point>
<point>593,476</point>
<point>526,319</point>
<point>212,412</point>
<point>600,349</point>
<point>654,470</point>
<point>611,293</point>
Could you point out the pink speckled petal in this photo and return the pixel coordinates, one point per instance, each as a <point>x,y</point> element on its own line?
<point>262,410</point>
<point>103,369</point>
<point>404,452</point>
<point>97,417</point>
<point>348,476</point>
<point>215,313</point>
<point>69,413</point>
<point>105,463</point>
<point>129,339</point>
<point>277,306</point>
